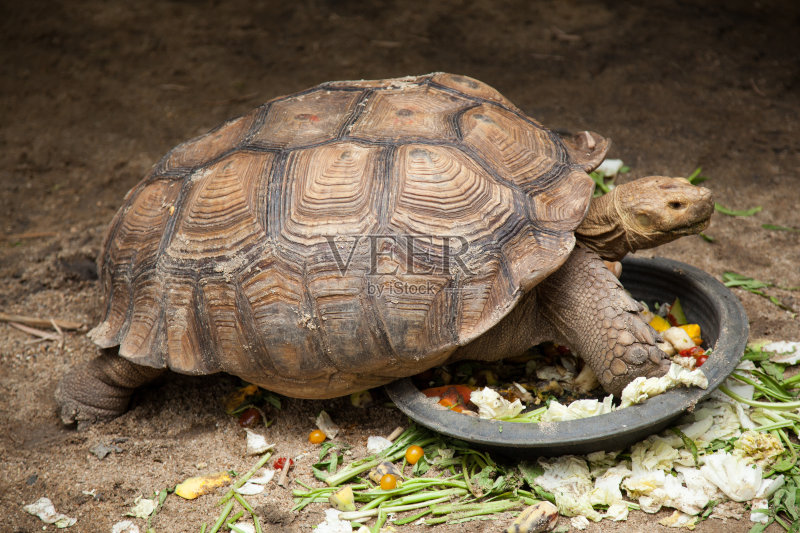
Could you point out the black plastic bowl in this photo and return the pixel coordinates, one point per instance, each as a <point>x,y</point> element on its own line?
<point>706,302</point>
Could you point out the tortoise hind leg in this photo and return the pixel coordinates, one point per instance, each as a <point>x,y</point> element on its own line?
<point>591,312</point>
<point>100,389</point>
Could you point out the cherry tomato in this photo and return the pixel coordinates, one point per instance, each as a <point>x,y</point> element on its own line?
<point>249,417</point>
<point>694,351</point>
<point>317,437</point>
<point>388,482</point>
<point>280,462</point>
<point>413,454</point>
<point>700,360</point>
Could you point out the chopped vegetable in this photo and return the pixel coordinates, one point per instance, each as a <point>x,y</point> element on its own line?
<point>694,351</point>
<point>142,507</point>
<point>44,509</point>
<point>256,444</point>
<point>659,323</point>
<point>343,499</point>
<point>556,412</point>
<point>678,338</point>
<point>732,475</point>
<point>333,523</point>
<point>642,388</point>
<point>693,330</point>
<point>376,443</point>
<point>492,405</point>
<point>280,462</point>
<point>675,315</point>
<point>194,487</point>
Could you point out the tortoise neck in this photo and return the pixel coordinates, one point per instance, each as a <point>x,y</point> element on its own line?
<point>604,229</point>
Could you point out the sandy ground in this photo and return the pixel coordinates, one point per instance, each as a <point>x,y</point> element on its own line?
<point>93,93</point>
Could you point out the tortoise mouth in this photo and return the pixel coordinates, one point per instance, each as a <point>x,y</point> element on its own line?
<point>692,229</point>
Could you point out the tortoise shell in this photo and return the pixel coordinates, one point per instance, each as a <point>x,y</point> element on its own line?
<point>341,237</point>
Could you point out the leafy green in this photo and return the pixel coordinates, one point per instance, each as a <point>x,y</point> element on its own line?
<point>687,442</point>
<point>694,178</point>
<point>602,187</point>
<point>734,213</point>
<point>779,228</point>
<point>732,279</point>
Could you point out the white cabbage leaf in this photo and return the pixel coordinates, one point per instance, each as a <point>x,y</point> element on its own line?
<point>642,388</point>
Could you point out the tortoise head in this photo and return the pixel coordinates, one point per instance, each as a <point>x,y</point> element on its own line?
<point>645,213</point>
<point>661,209</point>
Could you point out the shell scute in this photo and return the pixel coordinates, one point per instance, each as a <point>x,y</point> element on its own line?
<point>330,191</point>
<point>305,119</point>
<point>417,112</point>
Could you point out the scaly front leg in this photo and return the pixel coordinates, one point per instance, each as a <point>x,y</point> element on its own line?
<point>590,312</point>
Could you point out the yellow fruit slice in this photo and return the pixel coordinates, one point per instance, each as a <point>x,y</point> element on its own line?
<point>193,487</point>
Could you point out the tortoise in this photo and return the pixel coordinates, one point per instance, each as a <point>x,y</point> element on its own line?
<point>357,232</point>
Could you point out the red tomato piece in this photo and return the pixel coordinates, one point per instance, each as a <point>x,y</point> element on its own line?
<point>280,462</point>
<point>694,351</point>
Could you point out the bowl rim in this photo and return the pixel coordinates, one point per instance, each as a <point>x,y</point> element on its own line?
<point>609,431</point>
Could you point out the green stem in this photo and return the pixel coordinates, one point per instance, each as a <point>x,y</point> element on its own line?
<point>465,472</point>
<point>357,515</point>
<point>778,406</point>
<point>769,391</point>
<point>221,520</point>
<point>789,445</point>
<point>261,462</point>
<point>459,511</point>
<point>429,495</point>
<point>776,425</point>
<point>243,503</point>
<point>412,518</point>
<point>382,515</point>
<point>375,503</point>
<point>235,517</point>
<point>412,485</point>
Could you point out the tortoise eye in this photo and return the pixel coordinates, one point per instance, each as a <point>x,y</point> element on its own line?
<point>676,205</point>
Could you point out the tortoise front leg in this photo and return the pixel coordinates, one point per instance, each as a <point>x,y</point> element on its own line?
<point>590,312</point>
<point>100,389</point>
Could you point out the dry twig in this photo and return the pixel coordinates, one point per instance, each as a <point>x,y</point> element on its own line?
<point>39,322</point>
<point>284,473</point>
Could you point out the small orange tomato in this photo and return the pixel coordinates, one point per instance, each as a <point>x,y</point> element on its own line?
<point>316,437</point>
<point>413,454</point>
<point>388,482</point>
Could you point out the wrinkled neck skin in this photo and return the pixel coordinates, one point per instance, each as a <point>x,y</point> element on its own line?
<point>644,213</point>
<point>603,230</point>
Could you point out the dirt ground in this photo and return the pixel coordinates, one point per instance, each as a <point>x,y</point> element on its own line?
<point>95,92</point>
